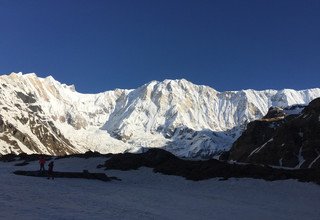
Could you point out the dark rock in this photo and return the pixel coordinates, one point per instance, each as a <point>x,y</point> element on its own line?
<point>26,98</point>
<point>128,161</point>
<point>90,154</point>
<point>224,156</point>
<point>8,158</point>
<point>274,112</point>
<point>166,163</point>
<point>83,175</point>
<point>282,141</point>
<point>35,108</point>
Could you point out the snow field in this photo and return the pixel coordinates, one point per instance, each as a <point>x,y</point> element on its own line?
<point>143,194</point>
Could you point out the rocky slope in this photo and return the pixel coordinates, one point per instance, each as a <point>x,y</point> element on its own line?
<point>282,140</point>
<point>166,163</point>
<point>41,115</point>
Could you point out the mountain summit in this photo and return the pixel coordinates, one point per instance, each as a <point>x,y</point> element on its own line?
<point>41,115</point>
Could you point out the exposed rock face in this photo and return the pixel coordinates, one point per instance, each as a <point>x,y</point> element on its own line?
<point>76,121</point>
<point>290,141</point>
<point>43,138</point>
<point>26,98</point>
<point>274,113</point>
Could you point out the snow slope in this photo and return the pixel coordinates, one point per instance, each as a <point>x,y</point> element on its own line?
<point>143,194</point>
<point>186,119</point>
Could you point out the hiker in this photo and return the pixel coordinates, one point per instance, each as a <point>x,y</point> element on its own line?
<point>50,170</point>
<point>42,161</point>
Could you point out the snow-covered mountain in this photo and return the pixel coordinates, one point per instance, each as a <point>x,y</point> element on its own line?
<point>41,115</point>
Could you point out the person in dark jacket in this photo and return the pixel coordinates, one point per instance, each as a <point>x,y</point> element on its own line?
<point>50,170</point>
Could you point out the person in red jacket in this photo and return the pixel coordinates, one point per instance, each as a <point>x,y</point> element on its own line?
<point>42,161</point>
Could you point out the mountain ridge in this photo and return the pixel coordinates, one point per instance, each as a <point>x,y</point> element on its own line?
<point>187,119</point>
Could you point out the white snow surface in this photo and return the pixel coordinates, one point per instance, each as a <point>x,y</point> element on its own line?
<point>186,119</point>
<point>143,194</point>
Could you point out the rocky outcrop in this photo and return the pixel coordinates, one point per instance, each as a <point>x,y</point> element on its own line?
<point>274,113</point>
<point>79,175</point>
<point>26,98</point>
<point>166,163</point>
<point>43,137</point>
<point>290,141</point>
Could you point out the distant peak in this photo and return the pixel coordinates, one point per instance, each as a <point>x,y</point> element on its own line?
<point>23,74</point>
<point>176,81</point>
<point>71,87</point>
<point>50,78</point>
<point>30,75</point>
<point>169,82</point>
<point>153,82</point>
<point>18,73</point>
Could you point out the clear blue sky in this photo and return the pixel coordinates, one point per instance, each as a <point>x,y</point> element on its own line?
<point>100,45</point>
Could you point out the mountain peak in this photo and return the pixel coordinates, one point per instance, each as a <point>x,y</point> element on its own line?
<point>178,115</point>
<point>25,75</point>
